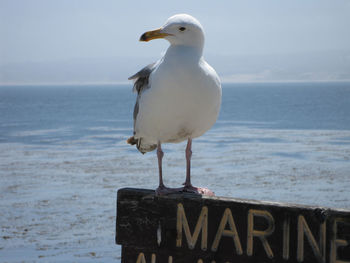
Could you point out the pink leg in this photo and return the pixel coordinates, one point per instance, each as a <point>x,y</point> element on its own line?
<point>160,155</point>
<point>188,186</point>
<point>162,189</point>
<point>188,163</point>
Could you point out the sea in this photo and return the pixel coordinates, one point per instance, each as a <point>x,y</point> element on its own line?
<point>63,157</point>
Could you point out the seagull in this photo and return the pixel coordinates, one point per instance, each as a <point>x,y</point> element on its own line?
<point>178,97</point>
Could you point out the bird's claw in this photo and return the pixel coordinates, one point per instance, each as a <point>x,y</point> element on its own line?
<point>163,190</point>
<point>198,190</point>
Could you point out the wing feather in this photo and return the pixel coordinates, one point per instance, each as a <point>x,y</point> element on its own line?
<point>141,83</point>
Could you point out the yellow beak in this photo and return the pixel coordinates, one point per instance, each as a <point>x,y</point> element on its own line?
<point>154,34</point>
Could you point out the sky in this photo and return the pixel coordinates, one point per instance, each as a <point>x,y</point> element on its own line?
<point>85,41</point>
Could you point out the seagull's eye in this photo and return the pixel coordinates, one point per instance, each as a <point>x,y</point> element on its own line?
<point>182,28</point>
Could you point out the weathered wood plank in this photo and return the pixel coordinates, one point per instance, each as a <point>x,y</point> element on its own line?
<point>191,228</point>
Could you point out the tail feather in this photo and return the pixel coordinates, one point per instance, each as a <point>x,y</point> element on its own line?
<point>140,145</point>
<point>131,140</point>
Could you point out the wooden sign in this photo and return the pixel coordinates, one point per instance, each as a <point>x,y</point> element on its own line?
<point>190,228</point>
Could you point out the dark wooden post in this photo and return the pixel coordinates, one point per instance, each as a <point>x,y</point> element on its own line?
<point>190,228</point>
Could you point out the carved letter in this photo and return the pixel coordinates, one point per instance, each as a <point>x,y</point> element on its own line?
<point>319,250</point>
<point>335,243</point>
<point>286,237</point>
<point>202,224</point>
<point>258,233</point>
<point>232,232</point>
<point>141,258</point>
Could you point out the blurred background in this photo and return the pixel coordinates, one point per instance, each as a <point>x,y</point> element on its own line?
<point>283,133</point>
<point>75,41</point>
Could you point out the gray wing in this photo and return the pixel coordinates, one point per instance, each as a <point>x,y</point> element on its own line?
<point>142,77</point>
<point>141,83</point>
<point>141,80</point>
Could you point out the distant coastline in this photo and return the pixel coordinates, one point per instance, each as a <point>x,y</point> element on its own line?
<point>121,83</point>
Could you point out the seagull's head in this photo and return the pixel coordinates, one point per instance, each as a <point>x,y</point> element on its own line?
<point>181,29</point>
